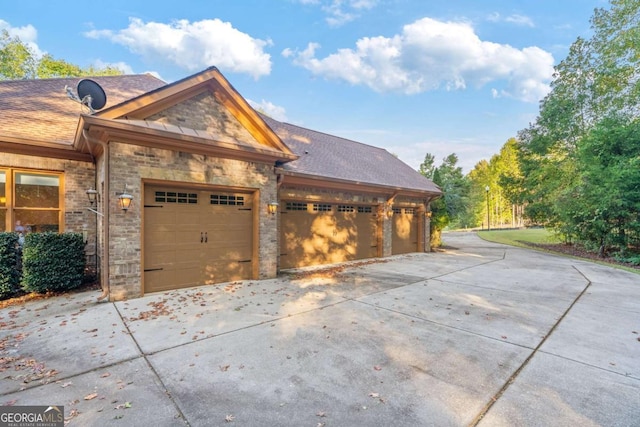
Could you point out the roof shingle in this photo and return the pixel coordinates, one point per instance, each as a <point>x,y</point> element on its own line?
<point>325,155</point>
<point>40,109</point>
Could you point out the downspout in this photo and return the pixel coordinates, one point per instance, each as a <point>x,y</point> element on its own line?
<point>104,261</point>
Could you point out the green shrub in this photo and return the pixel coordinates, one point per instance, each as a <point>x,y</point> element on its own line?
<point>52,262</point>
<point>9,267</point>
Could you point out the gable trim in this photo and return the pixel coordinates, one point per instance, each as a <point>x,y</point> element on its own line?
<point>130,133</point>
<point>210,80</point>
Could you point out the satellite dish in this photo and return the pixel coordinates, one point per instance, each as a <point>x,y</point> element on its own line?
<point>91,94</point>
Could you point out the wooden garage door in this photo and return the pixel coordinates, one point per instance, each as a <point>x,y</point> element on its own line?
<point>195,237</point>
<point>405,231</point>
<point>323,233</point>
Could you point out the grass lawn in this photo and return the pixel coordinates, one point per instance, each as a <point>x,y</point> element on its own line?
<point>520,237</point>
<point>542,239</point>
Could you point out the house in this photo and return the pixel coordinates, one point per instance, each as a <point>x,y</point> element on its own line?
<point>218,191</point>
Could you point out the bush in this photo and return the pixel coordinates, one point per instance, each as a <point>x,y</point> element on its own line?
<point>52,262</point>
<point>9,265</point>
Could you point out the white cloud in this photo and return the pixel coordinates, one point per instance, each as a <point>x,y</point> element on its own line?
<point>270,109</point>
<point>122,66</point>
<point>431,54</point>
<point>194,45</point>
<point>340,12</point>
<point>520,20</point>
<point>27,34</point>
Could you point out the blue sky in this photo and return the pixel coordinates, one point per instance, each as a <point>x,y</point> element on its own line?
<point>411,76</point>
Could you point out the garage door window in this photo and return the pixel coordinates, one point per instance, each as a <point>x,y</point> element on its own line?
<point>365,209</point>
<point>226,199</point>
<point>295,206</point>
<point>346,208</point>
<point>176,197</point>
<point>319,207</point>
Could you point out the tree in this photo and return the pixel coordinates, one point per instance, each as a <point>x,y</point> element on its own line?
<point>570,181</point>
<point>16,59</point>
<point>18,62</point>
<point>451,208</point>
<point>428,166</point>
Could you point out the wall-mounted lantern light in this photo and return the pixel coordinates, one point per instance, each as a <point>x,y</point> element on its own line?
<point>124,200</point>
<point>428,214</point>
<point>273,207</point>
<point>92,195</point>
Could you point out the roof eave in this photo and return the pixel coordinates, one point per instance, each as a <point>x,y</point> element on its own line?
<point>164,139</point>
<point>302,179</point>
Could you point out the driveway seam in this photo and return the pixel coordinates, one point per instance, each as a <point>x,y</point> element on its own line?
<point>517,372</point>
<point>153,369</point>
<point>590,365</point>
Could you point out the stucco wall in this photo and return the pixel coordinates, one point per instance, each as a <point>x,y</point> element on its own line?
<point>131,165</point>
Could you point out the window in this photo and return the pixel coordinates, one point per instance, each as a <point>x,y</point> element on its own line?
<point>295,206</point>
<point>319,207</point>
<point>397,210</point>
<point>365,209</point>
<point>30,200</point>
<point>227,199</point>
<point>346,208</point>
<point>176,197</point>
<point>408,211</point>
<point>3,200</point>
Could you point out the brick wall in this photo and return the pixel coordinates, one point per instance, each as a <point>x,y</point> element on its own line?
<point>131,165</point>
<point>77,178</point>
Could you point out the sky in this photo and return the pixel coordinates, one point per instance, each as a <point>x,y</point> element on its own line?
<point>411,76</point>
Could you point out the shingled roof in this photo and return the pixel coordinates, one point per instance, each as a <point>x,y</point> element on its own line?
<point>39,110</point>
<point>327,156</point>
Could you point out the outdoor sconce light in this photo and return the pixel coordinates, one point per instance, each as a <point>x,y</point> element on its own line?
<point>428,214</point>
<point>273,207</point>
<point>92,195</point>
<point>124,200</point>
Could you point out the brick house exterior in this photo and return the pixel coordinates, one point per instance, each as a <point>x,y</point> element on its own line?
<point>203,168</point>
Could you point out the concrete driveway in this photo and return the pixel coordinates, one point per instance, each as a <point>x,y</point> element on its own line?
<point>483,334</point>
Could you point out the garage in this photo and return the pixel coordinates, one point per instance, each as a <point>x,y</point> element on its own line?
<point>326,233</point>
<point>194,237</point>
<point>405,231</point>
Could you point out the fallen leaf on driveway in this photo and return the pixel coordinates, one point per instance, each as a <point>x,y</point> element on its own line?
<point>105,375</point>
<point>91,396</point>
<point>229,418</point>
<point>224,368</point>
<point>374,394</point>
<point>321,414</point>
<point>377,368</point>
<point>65,385</point>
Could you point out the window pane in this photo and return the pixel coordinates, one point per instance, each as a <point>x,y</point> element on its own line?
<point>37,191</point>
<point>37,221</point>
<point>3,190</point>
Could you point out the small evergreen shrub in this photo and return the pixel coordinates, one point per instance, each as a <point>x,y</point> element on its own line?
<point>9,265</point>
<point>52,262</point>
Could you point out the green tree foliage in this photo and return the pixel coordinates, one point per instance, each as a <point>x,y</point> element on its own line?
<point>451,208</point>
<point>579,160</point>
<point>18,62</point>
<point>496,193</point>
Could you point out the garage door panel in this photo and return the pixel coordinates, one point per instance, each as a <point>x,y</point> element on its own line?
<point>187,244</point>
<point>315,238</point>
<point>223,271</point>
<point>405,231</point>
